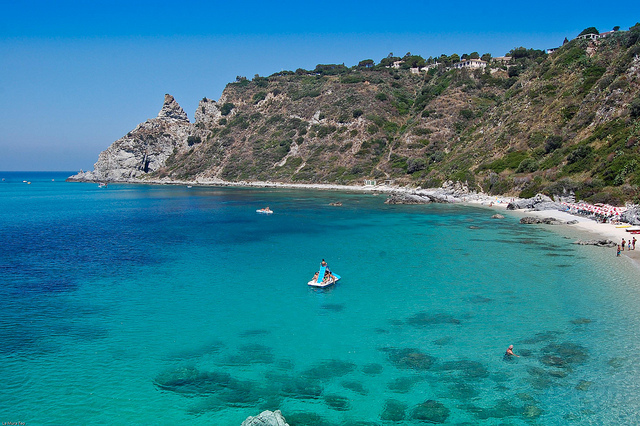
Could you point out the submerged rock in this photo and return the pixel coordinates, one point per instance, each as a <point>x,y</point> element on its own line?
<point>583,385</point>
<point>462,391</point>
<point>531,412</point>
<point>431,411</point>
<point>191,381</point>
<point>599,243</point>
<point>404,384</point>
<point>567,352</point>
<point>266,418</point>
<point>497,216</point>
<point>355,387</point>
<point>307,418</point>
<point>327,370</point>
<point>300,388</point>
<point>393,410</point>
<point>503,408</point>
<point>410,358</point>
<point>424,319</point>
<point>337,402</point>
<point>542,337</point>
<point>469,369</point>
<point>372,369</point>
<point>251,354</point>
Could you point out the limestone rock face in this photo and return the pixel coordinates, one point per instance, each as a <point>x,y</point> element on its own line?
<point>632,215</point>
<point>208,113</point>
<point>144,149</point>
<point>266,418</point>
<point>539,202</point>
<point>172,111</point>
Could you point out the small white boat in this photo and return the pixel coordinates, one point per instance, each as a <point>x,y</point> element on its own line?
<point>102,185</point>
<point>320,282</point>
<point>264,211</point>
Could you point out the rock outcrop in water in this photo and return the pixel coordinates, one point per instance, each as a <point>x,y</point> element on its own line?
<point>535,220</point>
<point>599,243</point>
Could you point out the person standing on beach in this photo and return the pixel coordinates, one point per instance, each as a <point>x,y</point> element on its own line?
<point>618,252</point>
<point>633,243</point>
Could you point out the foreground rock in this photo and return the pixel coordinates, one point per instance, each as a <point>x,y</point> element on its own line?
<point>266,418</point>
<point>599,243</point>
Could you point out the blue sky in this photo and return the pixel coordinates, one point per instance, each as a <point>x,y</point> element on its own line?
<point>77,75</point>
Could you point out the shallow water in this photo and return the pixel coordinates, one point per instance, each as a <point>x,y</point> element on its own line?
<point>151,304</point>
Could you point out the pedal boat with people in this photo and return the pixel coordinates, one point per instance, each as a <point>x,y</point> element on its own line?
<point>320,282</point>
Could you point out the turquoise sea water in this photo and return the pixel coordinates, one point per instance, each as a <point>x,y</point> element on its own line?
<point>162,305</point>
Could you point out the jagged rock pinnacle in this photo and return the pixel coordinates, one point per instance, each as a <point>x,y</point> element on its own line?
<point>171,110</point>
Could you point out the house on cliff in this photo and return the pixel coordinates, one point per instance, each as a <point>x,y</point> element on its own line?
<point>471,63</point>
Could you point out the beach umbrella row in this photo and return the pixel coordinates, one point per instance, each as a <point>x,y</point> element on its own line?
<point>599,209</point>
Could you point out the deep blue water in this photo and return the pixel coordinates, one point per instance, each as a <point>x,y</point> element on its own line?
<point>141,304</point>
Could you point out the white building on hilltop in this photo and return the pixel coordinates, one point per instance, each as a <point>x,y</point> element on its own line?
<point>471,63</point>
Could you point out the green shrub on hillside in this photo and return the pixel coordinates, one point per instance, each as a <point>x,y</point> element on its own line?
<point>591,75</point>
<point>634,108</point>
<point>226,108</point>
<point>260,96</point>
<point>381,96</point>
<point>510,161</point>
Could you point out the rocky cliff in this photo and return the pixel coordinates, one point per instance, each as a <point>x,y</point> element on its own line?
<point>565,123</point>
<point>145,149</point>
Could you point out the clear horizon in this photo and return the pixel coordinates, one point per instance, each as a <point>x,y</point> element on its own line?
<point>77,77</point>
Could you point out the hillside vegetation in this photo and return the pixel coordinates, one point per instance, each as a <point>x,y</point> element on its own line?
<point>560,123</point>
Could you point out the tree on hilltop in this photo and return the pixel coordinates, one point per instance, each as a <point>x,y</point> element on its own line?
<point>389,60</point>
<point>414,61</point>
<point>367,63</point>
<point>590,30</point>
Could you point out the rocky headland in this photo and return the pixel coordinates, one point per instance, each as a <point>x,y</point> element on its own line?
<point>411,127</point>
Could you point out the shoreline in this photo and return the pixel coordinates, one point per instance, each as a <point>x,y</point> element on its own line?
<point>588,227</point>
<point>450,193</point>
